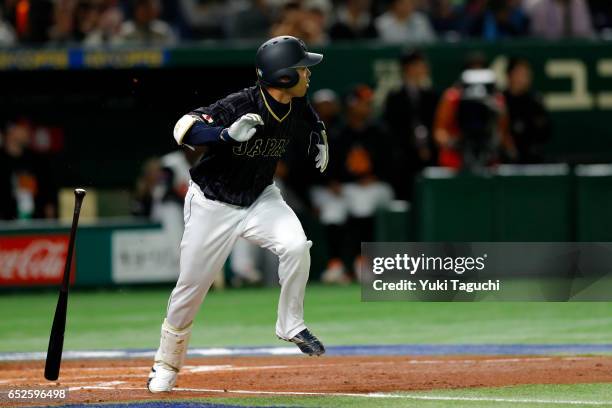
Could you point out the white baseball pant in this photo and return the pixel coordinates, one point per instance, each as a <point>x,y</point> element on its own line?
<point>212,228</point>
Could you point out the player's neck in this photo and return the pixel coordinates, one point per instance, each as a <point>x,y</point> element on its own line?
<point>279,95</point>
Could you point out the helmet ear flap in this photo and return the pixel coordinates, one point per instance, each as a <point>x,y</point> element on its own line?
<point>288,73</point>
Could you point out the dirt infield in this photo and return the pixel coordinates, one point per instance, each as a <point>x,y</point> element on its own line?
<point>92,381</point>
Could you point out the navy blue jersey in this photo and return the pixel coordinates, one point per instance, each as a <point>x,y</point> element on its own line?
<point>237,173</point>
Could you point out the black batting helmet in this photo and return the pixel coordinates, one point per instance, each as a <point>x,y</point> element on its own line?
<point>277,59</point>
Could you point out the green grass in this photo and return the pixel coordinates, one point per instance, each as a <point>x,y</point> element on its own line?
<point>130,318</point>
<point>530,396</point>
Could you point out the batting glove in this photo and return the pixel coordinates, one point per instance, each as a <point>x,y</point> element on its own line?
<point>322,157</point>
<point>244,128</point>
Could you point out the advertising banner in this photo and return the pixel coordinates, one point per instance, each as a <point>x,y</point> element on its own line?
<point>33,259</point>
<point>143,257</point>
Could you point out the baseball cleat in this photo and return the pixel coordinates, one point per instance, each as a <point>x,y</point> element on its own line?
<point>161,379</point>
<point>308,343</point>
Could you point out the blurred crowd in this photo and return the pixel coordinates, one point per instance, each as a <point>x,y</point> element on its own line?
<point>318,22</point>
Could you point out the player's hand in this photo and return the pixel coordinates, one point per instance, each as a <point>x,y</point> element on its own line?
<point>244,128</point>
<point>322,157</point>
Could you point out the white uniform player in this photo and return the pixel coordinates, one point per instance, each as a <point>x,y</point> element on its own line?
<point>231,195</point>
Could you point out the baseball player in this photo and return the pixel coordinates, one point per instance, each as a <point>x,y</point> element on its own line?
<point>231,195</point>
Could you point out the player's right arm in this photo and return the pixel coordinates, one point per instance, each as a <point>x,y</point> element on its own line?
<point>226,121</point>
<point>192,130</point>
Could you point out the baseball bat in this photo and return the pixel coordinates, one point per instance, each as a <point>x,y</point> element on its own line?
<point>56,339</point>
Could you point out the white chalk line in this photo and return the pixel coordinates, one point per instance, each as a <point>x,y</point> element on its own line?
<point>110,383</point>
<point>103,386</point>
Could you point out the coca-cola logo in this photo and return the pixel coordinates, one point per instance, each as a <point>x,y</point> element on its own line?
<point>33,260</point>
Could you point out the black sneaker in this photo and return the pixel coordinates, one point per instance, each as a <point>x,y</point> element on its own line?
<point>308,343</point>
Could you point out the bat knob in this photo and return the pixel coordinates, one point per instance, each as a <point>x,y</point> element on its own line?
<point>79,192</point>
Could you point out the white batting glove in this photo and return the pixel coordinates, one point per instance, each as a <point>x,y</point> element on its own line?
<point>244,128</point>
<point>323,156</point>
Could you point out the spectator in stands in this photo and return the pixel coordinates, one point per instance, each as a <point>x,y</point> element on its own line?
<point>364,197</point>
<point>27,187</point>
<point>353,21</point>
<point>555,19</point>
<point>252,22</point>
<point>172,14</point>
<point>7,34</point>
<point>402,23</point>
<point>30,19</point>
<point>145,28</point>
<point>288,20</point>
<point>471,123</point>
<point>307,23</point>
<point>470,11</point>
<point>149,179</point>
<point>446,19</point>
<point>530,124</point>
<point>317,16</point>
<point>360,129</point>
<point>501,19</point>
<point>601,11</point>
<point>108,25</point>
<point>205,19</point>
<point>63,21</point>
<point>332,210</point>
<point>409,113</point>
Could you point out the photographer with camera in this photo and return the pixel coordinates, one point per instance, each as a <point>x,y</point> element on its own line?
<point>471,123</point>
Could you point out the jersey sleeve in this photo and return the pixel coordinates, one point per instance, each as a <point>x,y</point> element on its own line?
<point>212,121</point>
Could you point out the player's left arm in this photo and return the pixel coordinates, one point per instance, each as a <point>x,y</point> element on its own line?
<point>318,137</point>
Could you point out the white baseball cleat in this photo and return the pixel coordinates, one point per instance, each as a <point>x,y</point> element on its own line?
<point>161,379</point>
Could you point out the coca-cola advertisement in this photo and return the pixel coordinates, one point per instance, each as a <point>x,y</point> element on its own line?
<point>33,259</point>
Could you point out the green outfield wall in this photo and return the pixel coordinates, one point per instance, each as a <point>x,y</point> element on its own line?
<point>547,203</point>
<point>593,205</point>
<point>513,204</point>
